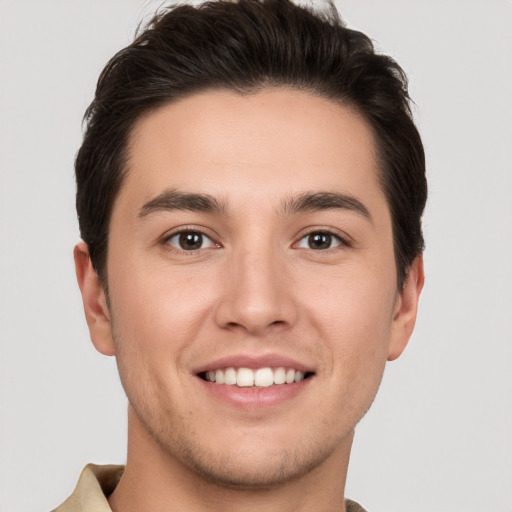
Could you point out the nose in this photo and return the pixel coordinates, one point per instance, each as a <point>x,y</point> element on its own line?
<point>257,295</point>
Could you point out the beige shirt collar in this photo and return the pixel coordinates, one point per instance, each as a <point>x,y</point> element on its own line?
<point>96,483</point>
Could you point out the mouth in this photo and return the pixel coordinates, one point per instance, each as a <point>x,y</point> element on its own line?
<point>263,377</point>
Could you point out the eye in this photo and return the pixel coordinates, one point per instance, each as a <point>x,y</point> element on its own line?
<point>190,241</point>
<point>319,241</point>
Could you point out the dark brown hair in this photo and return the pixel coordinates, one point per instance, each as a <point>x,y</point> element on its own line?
<point>243,46</point>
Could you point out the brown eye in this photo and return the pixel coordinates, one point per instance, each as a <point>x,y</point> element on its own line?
<point>319,241</point>
<point>190,241</point>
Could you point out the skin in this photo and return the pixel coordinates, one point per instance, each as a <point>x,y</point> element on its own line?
<point>256,286</point>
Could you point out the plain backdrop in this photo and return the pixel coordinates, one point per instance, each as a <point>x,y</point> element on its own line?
<point>439,436</point>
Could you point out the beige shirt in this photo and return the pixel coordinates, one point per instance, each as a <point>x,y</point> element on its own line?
<point>96,483</point>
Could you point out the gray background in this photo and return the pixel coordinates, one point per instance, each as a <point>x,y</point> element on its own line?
<point>439,436</point>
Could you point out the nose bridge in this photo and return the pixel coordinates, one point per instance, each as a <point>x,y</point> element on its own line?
<point>256,293</point>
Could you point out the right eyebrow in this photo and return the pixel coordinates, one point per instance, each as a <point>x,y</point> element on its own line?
<point>173,199</point>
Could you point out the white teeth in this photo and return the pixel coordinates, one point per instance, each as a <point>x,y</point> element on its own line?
<point>279,376</point>
<point>230,377</point>
<point>261,378</point>
<point>219,377</point>
<point>245,378</point>
<point>290,376</point>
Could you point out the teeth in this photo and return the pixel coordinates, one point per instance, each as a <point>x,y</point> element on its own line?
<point>219,377</point>
<point>279,376</point>
<point>263,378</point>
<point>290,376</point>
<point>260,378</point>
<point>245,378</point>
<point>230,377</point>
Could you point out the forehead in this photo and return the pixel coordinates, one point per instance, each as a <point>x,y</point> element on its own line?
<point>264,145</point>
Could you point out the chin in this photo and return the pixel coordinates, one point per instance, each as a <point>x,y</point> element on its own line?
<point>248,459</point>
<point>252,470</point>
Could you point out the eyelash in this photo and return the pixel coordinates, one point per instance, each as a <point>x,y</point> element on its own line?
<point>333,237</point>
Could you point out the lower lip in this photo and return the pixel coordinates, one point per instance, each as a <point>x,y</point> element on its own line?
<point>253,397</point>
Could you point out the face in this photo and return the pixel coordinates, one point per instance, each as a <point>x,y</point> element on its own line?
<point>252,283</point>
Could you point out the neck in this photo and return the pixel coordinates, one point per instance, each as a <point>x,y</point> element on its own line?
<point>156,481</point>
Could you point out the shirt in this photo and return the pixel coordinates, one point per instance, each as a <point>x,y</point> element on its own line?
<point>96,483</point>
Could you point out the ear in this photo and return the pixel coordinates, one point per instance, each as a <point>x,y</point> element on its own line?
<point>95,302</point>
<point>406,309</point>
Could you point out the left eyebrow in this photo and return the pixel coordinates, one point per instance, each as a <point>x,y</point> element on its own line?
<point>311,201</point>
<point>173,199</point>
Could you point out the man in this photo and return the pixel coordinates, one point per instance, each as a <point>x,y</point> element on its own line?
<point>249,191</point>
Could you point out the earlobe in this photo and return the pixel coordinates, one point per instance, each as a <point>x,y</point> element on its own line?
<point>96,310</point>
<point>407,307</point>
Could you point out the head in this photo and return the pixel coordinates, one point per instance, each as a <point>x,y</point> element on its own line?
<point>250,189</point>
<point>245,47</point>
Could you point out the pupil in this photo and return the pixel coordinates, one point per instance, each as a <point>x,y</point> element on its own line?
<point>191,241</point>
<point>320,241</point>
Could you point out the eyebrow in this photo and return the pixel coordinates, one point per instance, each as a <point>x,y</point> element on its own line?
<point>174,200</point>
<point>311,201</point>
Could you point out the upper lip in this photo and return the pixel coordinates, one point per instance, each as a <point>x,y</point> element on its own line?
<point>254,362</point>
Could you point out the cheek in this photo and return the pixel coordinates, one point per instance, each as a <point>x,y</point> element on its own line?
<point>153,323</point>
<point>157,312</point>
<point>354,315</point>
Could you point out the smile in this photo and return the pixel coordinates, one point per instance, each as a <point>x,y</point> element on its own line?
<point>259,378</point>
